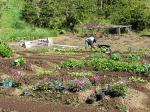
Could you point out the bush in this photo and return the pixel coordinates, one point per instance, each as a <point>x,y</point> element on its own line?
<point>57,14</point>
<point>119,89</point>
<point>5,51</point>
<point>130,14</point>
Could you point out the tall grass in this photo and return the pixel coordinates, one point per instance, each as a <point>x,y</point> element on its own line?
<point>27,34</point>
<point>13,28</point>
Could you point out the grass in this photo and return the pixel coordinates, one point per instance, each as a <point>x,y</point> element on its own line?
<point>27,34</point>
<point>145,32</point>
<point>13,28</point>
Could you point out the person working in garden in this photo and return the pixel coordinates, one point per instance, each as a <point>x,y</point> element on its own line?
<point>90,42</point>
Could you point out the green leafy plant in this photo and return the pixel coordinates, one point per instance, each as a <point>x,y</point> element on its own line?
<point>19,62</point>
<point>134,57</point>
<point>5,51</point>
<point>146,69</point>
<point>108,64</point>
<point>143,49</point>
<point>56,86</point>
<point>116,56</point>
<point>119,89</point>
<point>98,55</point>
<point>72,63</point>
<point>137,79</point>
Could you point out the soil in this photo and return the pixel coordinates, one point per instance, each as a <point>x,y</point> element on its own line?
<point>137,99</point>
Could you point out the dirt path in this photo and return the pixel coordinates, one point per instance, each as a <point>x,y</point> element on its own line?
<point>138,101</point>
<point>30,106</point>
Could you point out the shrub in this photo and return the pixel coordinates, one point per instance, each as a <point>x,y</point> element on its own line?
<point>5,51</point>
<point>130,14</point>
<point>119,89</point>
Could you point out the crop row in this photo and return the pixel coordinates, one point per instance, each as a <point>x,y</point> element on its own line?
<point>108,64</point>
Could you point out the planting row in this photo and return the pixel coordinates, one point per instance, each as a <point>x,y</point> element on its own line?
<point>108,64</point>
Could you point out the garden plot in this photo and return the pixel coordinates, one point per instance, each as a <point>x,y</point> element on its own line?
<point>90,80</point>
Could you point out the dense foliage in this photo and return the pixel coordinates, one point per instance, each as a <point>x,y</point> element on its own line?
<point>5,51</point>
<point>133,13</point>
<point>22,18</point>
<point>60,14</point>
<point>56,13</point>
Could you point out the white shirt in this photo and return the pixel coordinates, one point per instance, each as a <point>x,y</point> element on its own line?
<point>90,38</point>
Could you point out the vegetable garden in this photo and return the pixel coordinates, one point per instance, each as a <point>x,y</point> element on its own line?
<point>75,77</point>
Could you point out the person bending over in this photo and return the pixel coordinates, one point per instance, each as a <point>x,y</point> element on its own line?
<point>90,42</point>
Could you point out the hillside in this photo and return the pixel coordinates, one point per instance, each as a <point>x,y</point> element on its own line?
<point>34,19</point>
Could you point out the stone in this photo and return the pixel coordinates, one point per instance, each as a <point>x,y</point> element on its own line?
<point>49,42</point>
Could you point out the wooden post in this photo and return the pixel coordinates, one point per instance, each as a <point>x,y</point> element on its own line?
<point>118,30</point>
